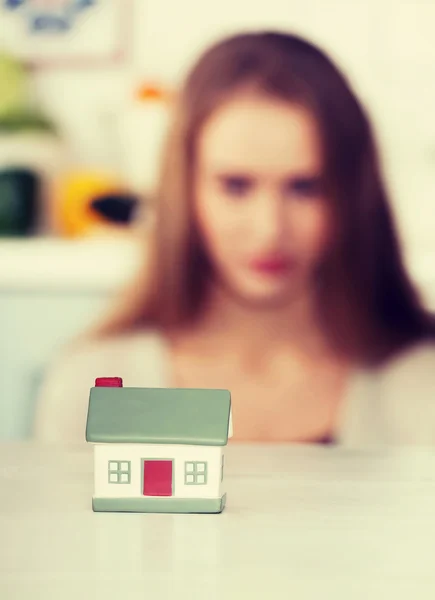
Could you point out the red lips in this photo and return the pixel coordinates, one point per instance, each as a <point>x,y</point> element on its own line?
<point>273,265</point>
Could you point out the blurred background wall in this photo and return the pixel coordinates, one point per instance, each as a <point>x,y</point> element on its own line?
<point>109,118</point>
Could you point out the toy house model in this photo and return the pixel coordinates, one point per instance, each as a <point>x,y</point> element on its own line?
<point>157,449</point>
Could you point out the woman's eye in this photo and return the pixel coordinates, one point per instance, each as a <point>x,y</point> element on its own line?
<point>236,186</point>
<point>306,187</point>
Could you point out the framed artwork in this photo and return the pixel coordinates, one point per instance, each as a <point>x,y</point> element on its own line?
<point>66,32</point>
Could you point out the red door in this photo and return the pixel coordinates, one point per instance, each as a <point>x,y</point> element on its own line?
<point>157,478</point>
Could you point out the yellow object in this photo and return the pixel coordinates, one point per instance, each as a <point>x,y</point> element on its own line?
<point>73,213</point>
<point>149,92</point>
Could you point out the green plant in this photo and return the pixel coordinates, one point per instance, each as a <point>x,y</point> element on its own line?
<point>13,84</point>
<point>16,111</point>
<point>25,120</point>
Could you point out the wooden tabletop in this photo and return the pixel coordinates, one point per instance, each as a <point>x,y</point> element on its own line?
<point>300,522</point>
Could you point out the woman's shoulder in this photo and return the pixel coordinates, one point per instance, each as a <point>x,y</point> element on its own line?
<point>415,365</point>
<point>63,398</point>
<point>124,353</point>
<point>394,404</point>
<point>406,390</point>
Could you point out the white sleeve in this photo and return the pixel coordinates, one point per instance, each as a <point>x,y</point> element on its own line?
<point>62,402</point>
<point>407,390</point>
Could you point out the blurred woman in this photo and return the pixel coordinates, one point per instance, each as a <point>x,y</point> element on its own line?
<point>272,268</point>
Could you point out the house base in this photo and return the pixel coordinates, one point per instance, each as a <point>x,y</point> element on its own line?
<point>159,505</point>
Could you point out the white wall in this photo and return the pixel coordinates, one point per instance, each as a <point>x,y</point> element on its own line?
<point>169,35</point>
<point>137,452</point>
<point>385,46</point>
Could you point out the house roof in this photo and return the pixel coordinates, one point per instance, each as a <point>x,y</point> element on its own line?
<point>159,416</point>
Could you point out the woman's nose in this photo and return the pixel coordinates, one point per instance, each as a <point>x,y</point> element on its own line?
<point>269,219</point>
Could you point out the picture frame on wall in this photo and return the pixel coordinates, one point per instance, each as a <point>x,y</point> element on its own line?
<point>66,32</point>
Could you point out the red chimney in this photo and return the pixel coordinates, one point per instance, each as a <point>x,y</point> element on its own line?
<point>108,382</point>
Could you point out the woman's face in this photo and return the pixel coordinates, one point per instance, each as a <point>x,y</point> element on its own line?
<point>259,203</point>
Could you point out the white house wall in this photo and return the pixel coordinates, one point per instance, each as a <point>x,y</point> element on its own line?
<point>222,483</point>
<point>137,452</point>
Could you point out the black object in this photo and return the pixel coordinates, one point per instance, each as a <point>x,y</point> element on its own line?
<point>19,195</point>
<point>116,208</point>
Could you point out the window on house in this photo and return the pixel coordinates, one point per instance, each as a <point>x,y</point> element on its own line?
<point>119,471</point>
<point>195,473</point>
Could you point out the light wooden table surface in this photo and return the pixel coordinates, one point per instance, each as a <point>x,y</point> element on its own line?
<point>300,522</point>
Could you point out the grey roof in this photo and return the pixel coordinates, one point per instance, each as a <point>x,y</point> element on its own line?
<point>158,415</point>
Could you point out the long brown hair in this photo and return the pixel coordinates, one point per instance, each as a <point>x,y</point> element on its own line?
<point>367,302</point>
